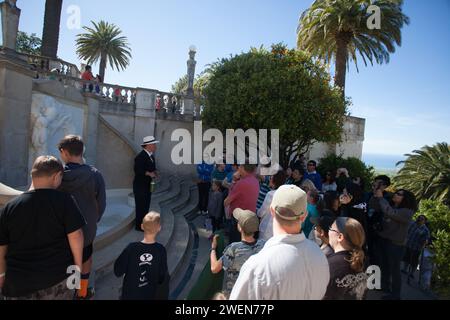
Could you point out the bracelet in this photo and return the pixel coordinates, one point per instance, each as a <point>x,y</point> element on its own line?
<point>213,249</point>
<point>2,275</point>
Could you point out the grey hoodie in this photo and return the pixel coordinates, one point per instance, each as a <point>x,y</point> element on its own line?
<point>395,223</point>
<point>85,183</point>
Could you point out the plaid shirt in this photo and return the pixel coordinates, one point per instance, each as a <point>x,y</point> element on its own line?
<point>417,236</point>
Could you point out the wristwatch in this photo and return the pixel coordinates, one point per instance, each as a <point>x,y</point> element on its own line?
<point>213,249</point>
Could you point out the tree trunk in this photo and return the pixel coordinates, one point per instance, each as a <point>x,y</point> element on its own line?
<point>103,60</point>
<point>342,41</point>
<point>50,34</point>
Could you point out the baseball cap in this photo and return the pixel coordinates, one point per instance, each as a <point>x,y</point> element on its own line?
<point>292,198</point>
<point>247,220</point>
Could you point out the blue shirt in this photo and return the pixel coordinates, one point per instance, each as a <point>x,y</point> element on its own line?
<point>263,190</point>
<point>315,178</point>
<point>204,171</point>
<point>307,224</point>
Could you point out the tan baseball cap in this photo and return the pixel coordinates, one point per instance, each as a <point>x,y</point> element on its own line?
<point>292,198</point>
<point>247,219</point>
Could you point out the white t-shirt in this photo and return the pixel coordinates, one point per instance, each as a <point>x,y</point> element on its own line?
<point>289,267</point>
<point>266,223</point>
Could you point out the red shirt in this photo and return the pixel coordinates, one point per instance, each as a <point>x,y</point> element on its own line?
<point>87,75</point>
<point>244,194</point>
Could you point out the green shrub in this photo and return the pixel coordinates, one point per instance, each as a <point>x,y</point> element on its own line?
<point>355,167</point>
<point>438,216</point>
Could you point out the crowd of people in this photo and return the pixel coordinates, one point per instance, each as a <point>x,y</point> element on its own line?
<point>291,234</point>
<point>325,231</point>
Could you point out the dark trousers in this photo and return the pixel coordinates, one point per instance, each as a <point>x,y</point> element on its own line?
<point>215,222</point>
<point>203,195</point>
<point>374,250</point>
<point>142,199</point>
<point>391,257</point>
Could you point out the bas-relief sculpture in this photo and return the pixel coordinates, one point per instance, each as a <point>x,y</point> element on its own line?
<point>7,193</point>
<point>51,120</point>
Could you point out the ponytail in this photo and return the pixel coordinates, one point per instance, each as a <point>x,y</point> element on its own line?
<point>357,260</point>
<point>355,237</point>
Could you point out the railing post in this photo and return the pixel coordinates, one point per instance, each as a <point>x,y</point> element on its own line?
<point>9,23</point>
<point>144,120</point>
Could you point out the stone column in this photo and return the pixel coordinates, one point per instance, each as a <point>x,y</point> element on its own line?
<point>16,85</point>
<point>9,22</point>
<point>144,119</point>
<point>189,100</point>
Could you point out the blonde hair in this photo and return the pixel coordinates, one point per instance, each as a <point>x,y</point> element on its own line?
<point>151,222</point>
<point>308,185</point>
<point>355,238</point>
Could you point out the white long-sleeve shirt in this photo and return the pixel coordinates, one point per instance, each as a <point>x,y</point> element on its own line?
<point>289,267</point>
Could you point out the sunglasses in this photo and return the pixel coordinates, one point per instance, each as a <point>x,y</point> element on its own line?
<point>401,194</point>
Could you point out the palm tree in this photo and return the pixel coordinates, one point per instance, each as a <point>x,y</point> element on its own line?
<point>337,30</point>
<point>50,34</point>
<point>426,173</point>
<point>104,42</point>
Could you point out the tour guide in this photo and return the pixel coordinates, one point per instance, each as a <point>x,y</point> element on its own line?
<point>144,173</point>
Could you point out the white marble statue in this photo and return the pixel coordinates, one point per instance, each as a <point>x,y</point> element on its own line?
<point>46,120</point>
<point>7,193</point>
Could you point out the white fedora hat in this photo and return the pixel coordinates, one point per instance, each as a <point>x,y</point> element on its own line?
<point>149,140</point>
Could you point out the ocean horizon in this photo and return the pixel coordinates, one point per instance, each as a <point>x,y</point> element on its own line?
<point>383,162</point>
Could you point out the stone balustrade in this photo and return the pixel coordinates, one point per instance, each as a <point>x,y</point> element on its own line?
<point>40,63</point>
<point>165,104</point>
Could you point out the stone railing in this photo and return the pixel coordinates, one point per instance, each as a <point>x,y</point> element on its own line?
<point>165,104</point>
<point>111,92</point>
<point>40,63</point>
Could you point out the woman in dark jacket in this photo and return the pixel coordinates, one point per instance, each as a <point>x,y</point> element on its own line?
<point>353,205</point>
<point>396,221</point>
<point>348,280</point>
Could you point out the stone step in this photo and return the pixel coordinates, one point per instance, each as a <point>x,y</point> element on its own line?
<point>182,275</point>
<point>174,231</point>
<point>122,227</point>
<point>104,257</point>
<point>201,254</point>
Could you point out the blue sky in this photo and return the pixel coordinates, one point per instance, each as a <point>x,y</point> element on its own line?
<point>406,103</point>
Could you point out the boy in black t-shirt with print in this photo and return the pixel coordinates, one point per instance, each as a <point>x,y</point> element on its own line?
<point>144,265</point>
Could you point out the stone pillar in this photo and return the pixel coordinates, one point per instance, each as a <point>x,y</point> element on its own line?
<point>189,100</point>
<point>90,130</point>
<point>16,85</point>
<point>144,119</point>
<point>9,22</point>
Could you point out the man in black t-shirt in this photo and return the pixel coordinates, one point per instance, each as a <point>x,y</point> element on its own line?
<point>144,265</point>
<point>40,237</point>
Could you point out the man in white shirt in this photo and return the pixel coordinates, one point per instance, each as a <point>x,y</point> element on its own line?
<point>289,267</point>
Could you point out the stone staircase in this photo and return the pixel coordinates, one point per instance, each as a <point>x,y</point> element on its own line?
<point>176,199</point>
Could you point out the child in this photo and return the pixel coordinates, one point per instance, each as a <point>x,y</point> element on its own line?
<point>215,204</point>
<point>144,264</point>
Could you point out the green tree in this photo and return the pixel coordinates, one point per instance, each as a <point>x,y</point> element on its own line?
<point>336,30</point>
<point>30,44</point>
<point>438,216</point>
<point>104,42</point>
<point>50,34</point>
<point>426,173</point>
<point>355,167</point>
<point>180,87</point>
<point>278,89</point>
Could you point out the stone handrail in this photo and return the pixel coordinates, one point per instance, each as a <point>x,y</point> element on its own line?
<point>41,63</point>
